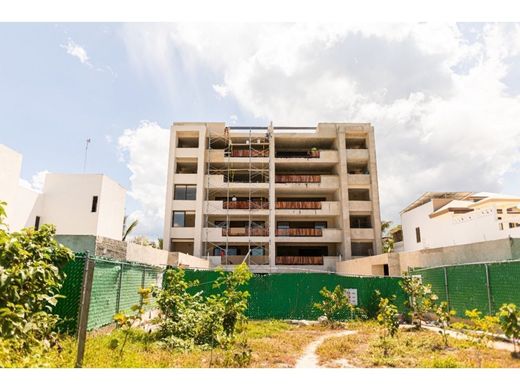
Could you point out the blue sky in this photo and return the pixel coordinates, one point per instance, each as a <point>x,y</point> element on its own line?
<point>444,98</point>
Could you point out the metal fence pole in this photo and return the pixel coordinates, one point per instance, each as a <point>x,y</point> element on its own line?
<point>446,287</point>
<point>118,296</point>
<point>488,287</point>
<point>86,290</point>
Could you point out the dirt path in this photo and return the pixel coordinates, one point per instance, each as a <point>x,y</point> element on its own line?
<point>309,359</point>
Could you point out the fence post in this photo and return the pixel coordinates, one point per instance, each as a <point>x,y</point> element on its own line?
<point>86,290</point>
<point>118,295</point>
<point>446,287</point>
<point>488,287</point>
<point>142,284</point>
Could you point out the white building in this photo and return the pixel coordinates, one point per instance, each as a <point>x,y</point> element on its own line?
<point>441,219</point>
<point>77,204</point>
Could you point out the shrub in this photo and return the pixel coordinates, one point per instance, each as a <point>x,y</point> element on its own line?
<point>388,318</point>
<point>189,320</point>
<point>478,330</point>
<point>30,278</point>
<point>509,319</point>
<point>421,299</point>
<point>336,306</point>
<point>444,315</point>
<point>126,322</point>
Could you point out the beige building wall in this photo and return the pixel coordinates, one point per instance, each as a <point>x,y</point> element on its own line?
<point>201,156</point>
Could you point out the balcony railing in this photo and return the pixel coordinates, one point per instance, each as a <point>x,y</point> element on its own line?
<point>299,205</point>
<point>243,231</point>
<point>246,204</point>
<point>299,232</point>
<point>299,260</point>
<point>298,179</point>
<point>298,154</point>
<point>250,153</point>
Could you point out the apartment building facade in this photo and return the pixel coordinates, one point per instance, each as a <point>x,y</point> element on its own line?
<point>281,198</point>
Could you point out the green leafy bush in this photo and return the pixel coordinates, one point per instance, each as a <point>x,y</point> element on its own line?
<point>30,278</point>
<point>421,299</point>
<point>444,315</point>
<point>388,318</point>
<point>509,319</point>
<point>336,306</point>
<point>188,320</point>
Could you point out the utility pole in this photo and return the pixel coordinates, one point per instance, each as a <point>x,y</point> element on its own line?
<point>86,151</point>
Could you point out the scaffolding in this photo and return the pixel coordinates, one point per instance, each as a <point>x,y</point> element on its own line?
<point>243,166</point>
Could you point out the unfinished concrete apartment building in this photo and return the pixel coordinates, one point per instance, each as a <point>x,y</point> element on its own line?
<point>280,198</point>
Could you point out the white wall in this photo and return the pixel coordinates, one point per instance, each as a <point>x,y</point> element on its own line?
<point>449,229</point>
<point>67,203</point>
<point>23,204</point>
<point>111,205</point>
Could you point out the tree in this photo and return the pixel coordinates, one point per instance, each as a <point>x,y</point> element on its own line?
<point>335,305</point>
<point>444,315</point>
<point>388,241</point>
<point>388,318</point>
<point>30,279</point>
<point>130,228</point>
<point>420,298</point>
<point>509,319</point>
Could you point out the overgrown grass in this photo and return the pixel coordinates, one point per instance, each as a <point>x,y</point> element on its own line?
<point>410,348</point>
<point>273,343</point>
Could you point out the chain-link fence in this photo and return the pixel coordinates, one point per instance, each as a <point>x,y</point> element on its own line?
<point>114,289</point>
<point>482,286</point>
<point>292,295</point>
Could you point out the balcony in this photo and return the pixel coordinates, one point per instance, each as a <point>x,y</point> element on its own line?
<point>246,205</point>
<point>250,153</point>
<point>299,232</point>
<point>325,208</point>
<point>244,232</point>
<point>218,207</point>
<point>358,179</point>
<point>357,155</point>
<point>324,157</point>
<point>299,205</point>
<point>362,234</point>
<point>217,181</point>
<point>239,235</point>
<point>298,178</point>
<point>308,235</point>
<point>299,260</point>
<point>360,205</point>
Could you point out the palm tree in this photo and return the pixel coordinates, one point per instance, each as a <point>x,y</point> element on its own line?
<point>128,230</point>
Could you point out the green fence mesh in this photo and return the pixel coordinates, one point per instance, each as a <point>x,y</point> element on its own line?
<point>114,289</point>
<point>68,307</point>
<point>292,295</point>
<point>468,288</point>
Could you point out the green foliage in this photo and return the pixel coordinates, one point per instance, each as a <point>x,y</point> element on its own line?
<point>126,322</point>
<point>509,319</point>
<point>444,315</point>
<point>30,278</point>
<point>421,299</point>
<point>188,320</point>
<point>388,318</point>
<point>336,306</point>
<point>479,329</point>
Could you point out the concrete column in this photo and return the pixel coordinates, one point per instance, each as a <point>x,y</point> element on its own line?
<point>344,217</point>
<point>201,194</point>
<point>169,191</point>
<point>272,199</point>
<point>374,191</point>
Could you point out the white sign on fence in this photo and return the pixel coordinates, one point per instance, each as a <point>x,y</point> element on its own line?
<point>351,294</point>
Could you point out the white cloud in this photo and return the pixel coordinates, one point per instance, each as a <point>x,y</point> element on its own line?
<point>36,183</point>
<point>444,118</point>
<point>220,89</point>
<point>145,152</point>
<point>77,51</point>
